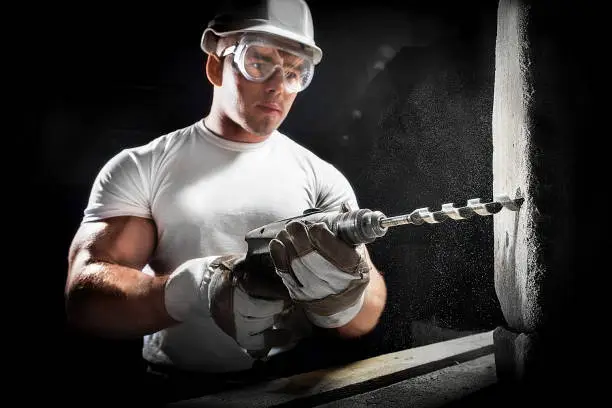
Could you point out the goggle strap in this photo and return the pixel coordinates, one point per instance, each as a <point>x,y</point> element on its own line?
<point>228,50</point>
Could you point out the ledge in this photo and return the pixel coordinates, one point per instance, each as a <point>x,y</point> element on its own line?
<point>337,383</point>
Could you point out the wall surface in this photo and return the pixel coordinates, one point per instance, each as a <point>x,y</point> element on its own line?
<point>544,106</point>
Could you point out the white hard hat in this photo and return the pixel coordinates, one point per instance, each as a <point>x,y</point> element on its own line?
<point>288,19</point>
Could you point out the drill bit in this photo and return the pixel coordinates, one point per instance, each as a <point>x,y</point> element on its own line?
<point>473,207</point>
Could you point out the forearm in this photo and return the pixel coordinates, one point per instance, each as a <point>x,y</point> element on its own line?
<point>373,306</point>
<point>115,301</point>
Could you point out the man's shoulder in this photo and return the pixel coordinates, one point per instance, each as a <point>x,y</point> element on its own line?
<point>164,142</point>
<point>135,158</point>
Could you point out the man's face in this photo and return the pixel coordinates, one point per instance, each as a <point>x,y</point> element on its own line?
<point>259,107</point>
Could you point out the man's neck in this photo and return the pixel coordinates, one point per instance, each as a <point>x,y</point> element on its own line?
<point>225,128</point>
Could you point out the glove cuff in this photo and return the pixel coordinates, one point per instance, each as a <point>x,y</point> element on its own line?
<point>336,319</point>
<point>183,289</point>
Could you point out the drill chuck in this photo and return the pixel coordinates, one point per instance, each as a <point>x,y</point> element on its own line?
<point>359,227</point>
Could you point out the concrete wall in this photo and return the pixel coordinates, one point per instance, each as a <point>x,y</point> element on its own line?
<point>543,110</point>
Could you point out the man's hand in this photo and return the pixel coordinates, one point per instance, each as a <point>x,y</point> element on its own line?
<point>247,314</point>
<point>323,273</point>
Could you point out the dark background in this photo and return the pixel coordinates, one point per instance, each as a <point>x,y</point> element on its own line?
<point>401,103</point>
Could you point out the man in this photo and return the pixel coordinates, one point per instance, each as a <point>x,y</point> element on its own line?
<point>163,234</point>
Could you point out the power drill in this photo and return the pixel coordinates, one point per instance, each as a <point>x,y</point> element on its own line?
<point>355,227</point>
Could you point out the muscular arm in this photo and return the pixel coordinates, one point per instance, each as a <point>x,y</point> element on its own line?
<point>373,306</point>
<point>107,294</point>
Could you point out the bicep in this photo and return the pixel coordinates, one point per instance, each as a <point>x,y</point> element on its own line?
<point>126,240</point>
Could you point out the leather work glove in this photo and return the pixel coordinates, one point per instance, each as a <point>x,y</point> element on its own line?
<point>327,276</point>
<point>246,308</point>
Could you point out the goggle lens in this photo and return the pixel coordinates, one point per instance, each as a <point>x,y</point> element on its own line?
<point>261,62</point>
<point>258,61</point>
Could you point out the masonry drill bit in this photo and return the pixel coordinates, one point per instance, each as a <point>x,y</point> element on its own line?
<point>449,210</point>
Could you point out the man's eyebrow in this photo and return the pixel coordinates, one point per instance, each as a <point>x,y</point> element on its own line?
<point>293,61</point>
<point>298,65</point>
<point>262,56</point>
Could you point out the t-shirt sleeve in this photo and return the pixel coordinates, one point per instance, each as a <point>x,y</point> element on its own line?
<point>121,188</point>
<point>333,188</point>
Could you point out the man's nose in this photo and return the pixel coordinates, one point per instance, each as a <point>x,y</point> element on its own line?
<point>276,82</point>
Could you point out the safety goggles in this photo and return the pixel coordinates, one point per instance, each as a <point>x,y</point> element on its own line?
<point>258,58</point>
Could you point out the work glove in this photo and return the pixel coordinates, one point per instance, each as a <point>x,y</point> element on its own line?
<point>322,273</point>
<point>245,308</point>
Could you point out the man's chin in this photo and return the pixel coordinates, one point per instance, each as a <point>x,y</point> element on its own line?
<point>265,130</point>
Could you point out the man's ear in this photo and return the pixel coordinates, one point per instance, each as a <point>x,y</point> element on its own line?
<point>214,69</point>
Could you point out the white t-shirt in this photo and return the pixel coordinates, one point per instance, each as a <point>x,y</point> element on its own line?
<point>204,194</point>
